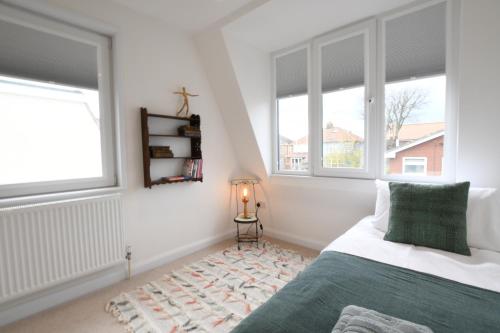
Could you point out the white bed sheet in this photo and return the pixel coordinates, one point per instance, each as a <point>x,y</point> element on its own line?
<point>481,269</point>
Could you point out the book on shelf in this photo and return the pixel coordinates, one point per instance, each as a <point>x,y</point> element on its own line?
<point>175,178</point>
<point>193,168</point>
<point>160,152</point>
<point>189,131</point>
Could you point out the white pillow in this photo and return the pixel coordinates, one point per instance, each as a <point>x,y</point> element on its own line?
<point>483,219</point>
<point>382,205</point>
<point>483,215</point>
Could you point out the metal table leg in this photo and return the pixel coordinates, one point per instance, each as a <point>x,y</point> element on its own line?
<point>238,235</point>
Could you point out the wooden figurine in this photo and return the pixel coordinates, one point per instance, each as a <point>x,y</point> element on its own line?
<point>185,99</point>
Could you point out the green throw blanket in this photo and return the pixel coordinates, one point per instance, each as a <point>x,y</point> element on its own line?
<point>313,301</point>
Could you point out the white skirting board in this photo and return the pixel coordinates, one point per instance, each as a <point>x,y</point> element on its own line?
<point>26,306</point>
<point>179,252</point>
<point>287,237</point>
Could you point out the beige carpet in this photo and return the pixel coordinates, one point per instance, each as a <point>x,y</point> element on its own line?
<point>211,295</point>
<point>86,314</point>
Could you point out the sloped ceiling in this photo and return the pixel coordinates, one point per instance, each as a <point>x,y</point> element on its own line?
<point>281,23</point>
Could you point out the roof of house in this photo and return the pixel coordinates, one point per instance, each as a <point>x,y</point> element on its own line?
<point>335,134</point>
<point>284,139</point>
<point>392,153</point>
<point>410,132</point>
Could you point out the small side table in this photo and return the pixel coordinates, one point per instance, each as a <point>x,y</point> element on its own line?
<point>247,238</point>
<point>246,185</point>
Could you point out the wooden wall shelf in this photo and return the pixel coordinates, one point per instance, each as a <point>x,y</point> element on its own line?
<point>167,181</point>
<point>193,121</point>
<point>167,116</point>
<point>179,157</point>
<point>171,136</point>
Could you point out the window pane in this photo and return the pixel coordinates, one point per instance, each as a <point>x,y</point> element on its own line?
<point>293,133</point>
<point>343,94</point>
<point>292,111</point>
<point>414,166</point>
<point>48,132</point>
<point>415,92</point>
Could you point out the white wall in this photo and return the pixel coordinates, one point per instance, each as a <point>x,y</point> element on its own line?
<point>479,119</point>
<point>153,60</point>
<point>314,211</point>
<point>239,117</point>
<point>217,62</point>
<point>252,70</point>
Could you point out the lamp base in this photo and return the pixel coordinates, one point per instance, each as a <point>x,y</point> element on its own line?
<point>245,209</point>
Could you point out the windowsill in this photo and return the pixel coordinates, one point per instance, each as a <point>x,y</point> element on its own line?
<point>40,199</point>
<point>336,183</point>
<point>344,183</point>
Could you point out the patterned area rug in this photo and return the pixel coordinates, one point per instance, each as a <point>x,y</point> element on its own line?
<point>211,295</point>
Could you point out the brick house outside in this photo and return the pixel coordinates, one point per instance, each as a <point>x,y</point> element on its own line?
<point>420,157</point>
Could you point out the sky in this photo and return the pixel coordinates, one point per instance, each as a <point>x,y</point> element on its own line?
<point>344,108</point>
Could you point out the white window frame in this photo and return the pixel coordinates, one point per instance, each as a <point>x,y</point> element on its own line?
<point>108,129</point>
<point>274,111</point>
<point>451,108</point>
<point>375,96</point>
<point>367,29</point>
<point>406,159</point>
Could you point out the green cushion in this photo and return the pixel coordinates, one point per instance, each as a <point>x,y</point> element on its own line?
<point>429,215</point>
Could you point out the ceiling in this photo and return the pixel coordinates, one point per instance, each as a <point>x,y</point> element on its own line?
<point>266,24</point>
<point>189,15</point>
<point>281,23</point>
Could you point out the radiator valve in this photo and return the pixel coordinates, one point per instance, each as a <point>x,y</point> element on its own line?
<point>128,256</point>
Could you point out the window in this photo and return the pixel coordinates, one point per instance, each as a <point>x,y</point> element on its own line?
<point>343,100</point>
<point>345,74</point>
<point>343,129</point>
<point>380,100</point>
<point>415,166</point>
<point>292,109</point>
<point>415,90</point>
<point>56,131</point>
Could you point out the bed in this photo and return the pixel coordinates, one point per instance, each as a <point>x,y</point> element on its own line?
<point>444,291</point>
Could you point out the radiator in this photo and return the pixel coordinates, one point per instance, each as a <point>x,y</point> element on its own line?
<point>48,244</point>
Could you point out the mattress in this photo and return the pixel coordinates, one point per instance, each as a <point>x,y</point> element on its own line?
<point>481,269</point>
<point>447,292</point>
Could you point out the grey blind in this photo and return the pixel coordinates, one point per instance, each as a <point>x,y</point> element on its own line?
<point>291,74</point>
<point>342,64</point>
<point>415,47</point>
<point>416,44</point>
<point>33,54</point>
